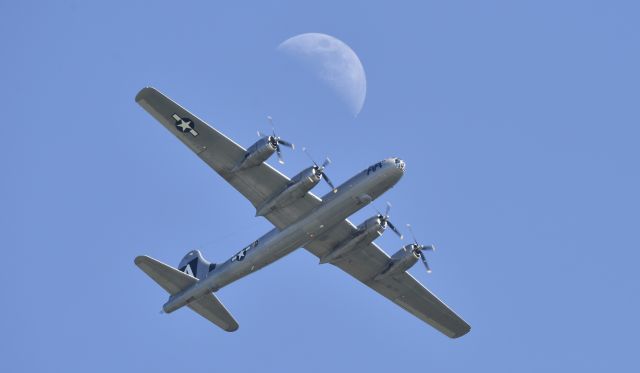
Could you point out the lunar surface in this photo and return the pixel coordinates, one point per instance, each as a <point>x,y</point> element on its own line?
<point>334,63</point>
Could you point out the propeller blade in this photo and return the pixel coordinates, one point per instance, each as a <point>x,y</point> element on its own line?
<point>326,162</point>
<point>412,234</point>
<point>379,214</point>
<point>428,248</point>
<point>386,213</point>
<point>320,169</point>
<point>424,260</point>
<point>326,178</point>
<point>280,160</point>
<point>286,143</point>
<point>273,128</point>
<point>394,229</point>
<point>309,156</point>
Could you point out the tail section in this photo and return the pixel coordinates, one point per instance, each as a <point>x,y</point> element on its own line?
<point>210,307</point>
<point>179,283</point>
<point>194,264</point>
<point>171,280</point>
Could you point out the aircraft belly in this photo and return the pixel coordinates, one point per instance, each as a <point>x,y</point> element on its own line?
<point>269,248</point>
<point>278,243</point>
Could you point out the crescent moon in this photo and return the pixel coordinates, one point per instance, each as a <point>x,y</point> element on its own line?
<point>334,62</point>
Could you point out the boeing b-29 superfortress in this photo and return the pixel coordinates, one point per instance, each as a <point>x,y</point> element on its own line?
<point>301,219</point>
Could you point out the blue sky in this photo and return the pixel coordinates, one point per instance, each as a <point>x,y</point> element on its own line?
<point>518,122</point>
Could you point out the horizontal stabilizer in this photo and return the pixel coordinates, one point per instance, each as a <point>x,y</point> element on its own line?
<point>209,307</point>
<point>174,281</point>
<point>171,279</point>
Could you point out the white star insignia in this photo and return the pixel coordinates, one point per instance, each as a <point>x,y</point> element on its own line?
<point>184,126</point>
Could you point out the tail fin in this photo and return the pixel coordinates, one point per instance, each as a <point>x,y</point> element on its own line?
<point>175,281</point>
<point>194,264</point>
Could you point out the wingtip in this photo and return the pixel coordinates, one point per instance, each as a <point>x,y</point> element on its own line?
<point>232,328</point>
<point>139,259</point>
<point>461,333</point>
<point>143,92</point>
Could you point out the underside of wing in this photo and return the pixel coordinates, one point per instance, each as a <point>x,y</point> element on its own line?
<point>258,183</point>
<point>405,291</point>
<point>367,261</point>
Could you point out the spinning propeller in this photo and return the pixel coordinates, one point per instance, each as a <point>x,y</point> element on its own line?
<point>419,249</point>
<point>276,141</point>
<point>319,170</point>
<point>384,221</point>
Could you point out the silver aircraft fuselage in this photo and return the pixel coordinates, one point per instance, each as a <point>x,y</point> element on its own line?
<point>351,196</point>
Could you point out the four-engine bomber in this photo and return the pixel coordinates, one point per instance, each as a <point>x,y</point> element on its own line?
<point>301,219</point>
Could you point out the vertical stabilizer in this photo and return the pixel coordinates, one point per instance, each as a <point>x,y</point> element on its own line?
<point>194,264</point>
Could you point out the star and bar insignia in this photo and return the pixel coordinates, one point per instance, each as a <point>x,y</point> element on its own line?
<point>185,125</point>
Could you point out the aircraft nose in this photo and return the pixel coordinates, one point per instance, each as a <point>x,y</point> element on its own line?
<point>399,164</point>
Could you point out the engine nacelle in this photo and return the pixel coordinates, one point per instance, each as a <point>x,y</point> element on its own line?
<point>367,233</point>
<point>297,187</point>
<point>402,260</point>
<point>372,223</point>
<point>257,153</point>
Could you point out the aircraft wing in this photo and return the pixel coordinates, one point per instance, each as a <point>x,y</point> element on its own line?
<point>365,262</point>
<point>222,154</point>
<point>259,183</point>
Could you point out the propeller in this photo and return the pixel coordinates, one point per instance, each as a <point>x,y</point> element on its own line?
<point>384,220</point>
<point>276,141</point>
<point>419,249</point>
<point>319,170</point>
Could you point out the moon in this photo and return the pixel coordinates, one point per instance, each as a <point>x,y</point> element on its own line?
<point>334,62</point>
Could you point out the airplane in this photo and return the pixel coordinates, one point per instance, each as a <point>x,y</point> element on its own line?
<point>301,219</point>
